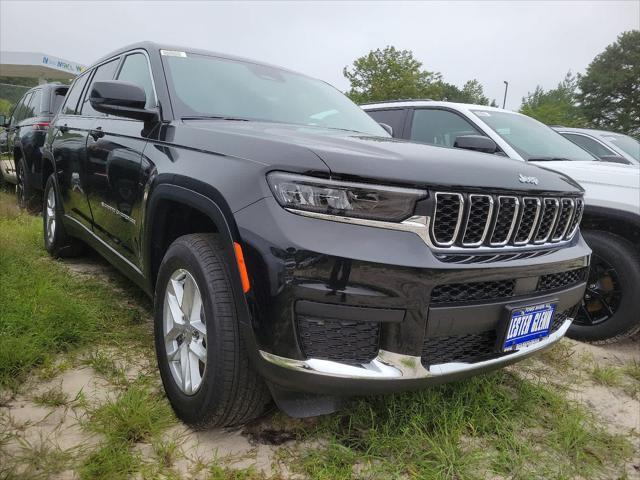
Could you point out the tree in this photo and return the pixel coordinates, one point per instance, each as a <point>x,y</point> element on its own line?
<point>610,88</point>
<point>390,74</point>
<point>557,106</point>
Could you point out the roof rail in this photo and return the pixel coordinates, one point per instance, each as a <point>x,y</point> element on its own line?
<point>399,101</point>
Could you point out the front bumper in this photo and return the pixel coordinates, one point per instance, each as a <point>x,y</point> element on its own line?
<point>380,284</point>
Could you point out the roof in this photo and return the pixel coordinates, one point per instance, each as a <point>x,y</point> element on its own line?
<point>154,47</point>
<point>584,130</point>
<point>430,103</point>
<point>37,65</point>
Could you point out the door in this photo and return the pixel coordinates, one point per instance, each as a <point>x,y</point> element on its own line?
<point>13,134</point>
<point>114,154</point>
<point>68,146</point>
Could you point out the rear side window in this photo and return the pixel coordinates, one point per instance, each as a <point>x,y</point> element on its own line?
<point>589,144</point>
<point>57,98</point>
<point>106,71</point>
<point>135,69</point>
<point>73,95</point>
<point>20,110</point>
<point>439,127</point>
<point>394,118</point>
<point>33,109</point>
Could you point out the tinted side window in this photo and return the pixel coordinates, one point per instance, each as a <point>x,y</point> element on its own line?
<point>589,144</point>
<point>33,109</point>
<point>394,118</point>
<point>73,95</point>
<point>439,127</point>
<point>135,69</point>
<point>57,97</point>
<point>106,71</point>
<point>19,112</point>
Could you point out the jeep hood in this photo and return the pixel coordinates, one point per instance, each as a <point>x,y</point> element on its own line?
<point>350,154</point>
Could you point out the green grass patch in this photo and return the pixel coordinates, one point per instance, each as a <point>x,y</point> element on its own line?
<point>52,397</point>
<point>111,461</point>
<point>493,424</point>
<point>44,310</point>
<point>632,369</point>
<point>607,375</point>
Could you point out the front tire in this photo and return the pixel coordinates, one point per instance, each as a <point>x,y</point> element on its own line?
<point>608,312</point>
<point>56,240</point>
<point>201,354</point>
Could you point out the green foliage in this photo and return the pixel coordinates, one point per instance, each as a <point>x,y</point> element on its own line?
<point>610,88</point>
<point>557,106</point>
<point>5,107</point>
<point>389,74</point>
<point>392,74</point>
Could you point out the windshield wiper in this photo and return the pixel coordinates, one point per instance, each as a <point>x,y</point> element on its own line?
<point>216,117</point>
<point>548,159</point>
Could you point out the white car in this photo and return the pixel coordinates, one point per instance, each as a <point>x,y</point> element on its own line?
<point>611,222</point>
<point>607,146</point>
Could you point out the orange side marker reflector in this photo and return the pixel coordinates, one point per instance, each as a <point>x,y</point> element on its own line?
<point>242,268</point>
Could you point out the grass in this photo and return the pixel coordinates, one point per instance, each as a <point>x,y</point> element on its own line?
<point>607,375</point>
<point>498,425</point>
<point>44,310</point>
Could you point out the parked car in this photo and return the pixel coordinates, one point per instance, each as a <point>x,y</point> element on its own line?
<point>21,150</point>
<point>607,146</point>
<point>611,223</point>
<point>293,248</point>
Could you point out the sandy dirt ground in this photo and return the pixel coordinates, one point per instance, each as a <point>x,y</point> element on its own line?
<point>33,426</point>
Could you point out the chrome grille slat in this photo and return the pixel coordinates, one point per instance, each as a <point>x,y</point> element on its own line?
<point>479,222</point>
<point>567,206</point>
<point>504,218</point>
<point>478,219</point>
<point>547,220</point>
<point>449,209</point>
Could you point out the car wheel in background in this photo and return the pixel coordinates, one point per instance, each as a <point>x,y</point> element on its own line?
<point>609,308</point>
<point>25,193</point>
<point>201,354</point>
<point>56,240</point>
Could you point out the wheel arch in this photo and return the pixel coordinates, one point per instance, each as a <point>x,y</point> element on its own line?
<point>621,223</point>
<point>181,205</point>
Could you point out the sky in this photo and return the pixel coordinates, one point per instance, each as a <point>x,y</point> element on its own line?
<point>525,43</point>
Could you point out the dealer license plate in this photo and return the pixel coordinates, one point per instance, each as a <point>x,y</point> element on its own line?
<point>528,325</point>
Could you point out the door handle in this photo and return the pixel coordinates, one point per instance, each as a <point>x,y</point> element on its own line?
<point>96,133</point>
<point>63,128</point>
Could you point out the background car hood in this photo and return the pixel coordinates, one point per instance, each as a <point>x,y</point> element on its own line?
<point>597,173</point>
<point>350,154</point>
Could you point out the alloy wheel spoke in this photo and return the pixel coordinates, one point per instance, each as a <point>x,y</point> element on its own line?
<point>200,327</point>
<point>198,350</point>
<point>194,371</point>
<point>188,297</point>
<point>184,368</point>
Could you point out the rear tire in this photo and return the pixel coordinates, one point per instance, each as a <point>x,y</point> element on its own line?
<point>609,309</point>
<point>218,386</point>
<point>56,240</point>
<point>25,192</point>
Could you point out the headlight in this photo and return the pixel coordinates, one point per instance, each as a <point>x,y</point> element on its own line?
<point>355,200</point>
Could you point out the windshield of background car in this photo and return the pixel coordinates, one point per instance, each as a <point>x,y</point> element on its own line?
<point>625,143</point>
<point>530,138</point>
<point>205,86</point>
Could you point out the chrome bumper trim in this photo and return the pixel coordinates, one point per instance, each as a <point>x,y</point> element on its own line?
<point>395,366</point>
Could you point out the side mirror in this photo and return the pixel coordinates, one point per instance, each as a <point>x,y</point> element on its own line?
<point>123,99</point>
<point>388,128</point>
<point>477,143</point>
<point>614,159</point>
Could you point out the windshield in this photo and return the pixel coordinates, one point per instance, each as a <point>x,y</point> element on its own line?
<point>205,86</point>
<point>625,143</point>
<point>530,138</point>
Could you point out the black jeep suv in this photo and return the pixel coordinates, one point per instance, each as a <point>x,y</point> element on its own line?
<point>294,250</point>
<point>26,129</point>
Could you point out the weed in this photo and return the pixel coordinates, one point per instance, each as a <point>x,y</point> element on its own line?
<point>607,375</point>
<point>111,461</point>
<point>53,397</point>
<point>632,369</point>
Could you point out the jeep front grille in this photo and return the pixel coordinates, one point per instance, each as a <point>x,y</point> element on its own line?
<point>487,220</point>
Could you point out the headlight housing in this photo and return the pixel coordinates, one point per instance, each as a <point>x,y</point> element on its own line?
<point>345,199</point>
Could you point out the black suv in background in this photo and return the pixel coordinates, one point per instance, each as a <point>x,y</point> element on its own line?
<point>293,248</point>
<point>21,150</point>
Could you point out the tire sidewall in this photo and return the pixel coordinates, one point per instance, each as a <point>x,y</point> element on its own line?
<point>191,408</point>
<point>620,255</point>
<point>55,245</point>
